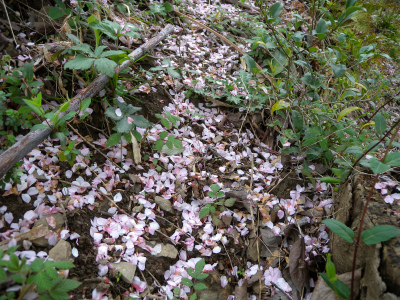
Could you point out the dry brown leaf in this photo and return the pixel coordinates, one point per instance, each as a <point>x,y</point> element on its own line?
<point>137,157</point>
<point>297,266</point>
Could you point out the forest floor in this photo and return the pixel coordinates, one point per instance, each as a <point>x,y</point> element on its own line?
<point>228,195</point>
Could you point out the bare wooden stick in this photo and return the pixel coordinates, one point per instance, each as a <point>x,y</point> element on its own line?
<point>18,151</point>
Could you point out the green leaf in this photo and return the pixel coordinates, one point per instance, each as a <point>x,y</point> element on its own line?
<point>168,7</point>
<point>3,274</point>
<point>310,141</point>
<point>84,104</point>
<point>163,134</point>
<point>114,139</point>
<point>340,229</point>
<point>393,159</point>
<point>99,50</point>
<point>275,10</point>
<point>64,107</point>
<point>51,272</point>
<point>140,121</point>
<point>28,71</point>
<point>105,66</point>
<point>229,202</point>
<point>112,52</point>
<point>159,145</point>
<point>250,62</point>
<point>39,126</point>
<point>215,188</point>
<point>297,120</point>
<point>55,12</point>
<point>380,233</point>
<point>187,282</point>
<point>354,150</point>
<point>165,123</point>
<point>202,276</point>
<point>377,166</point>
<point>199,267</point>
<point>85,48</point>
<point>205,211</point>
<point>321,28</point>
<point>191,272</point>
<point>73,38</point>
<point>346,111</point>
<point>342,289</point>
<point>350,3</point>
<point>43,281</point>
<point>331,180</point>
<point>338,70</point>
<point>37,265</point>
<point>173,73</point>
<point>330,268</point>
<point>200,286</point>
<point>193,297</point>
<point>110,112</point>
<point>380,123</point>
<point>80,62</point>
<point>281,104</point>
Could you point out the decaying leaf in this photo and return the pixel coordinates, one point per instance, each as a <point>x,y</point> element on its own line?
<point>297,266</point>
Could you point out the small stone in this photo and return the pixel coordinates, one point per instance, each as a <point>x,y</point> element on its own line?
<point>59,220</point>
<point>127,271</point>
<point>163,203</point>
<point>137,208</point>
<point>168,250</point>
<point>61,252</point>
<point>217,139</point>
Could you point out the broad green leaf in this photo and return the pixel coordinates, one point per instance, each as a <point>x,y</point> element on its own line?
<point>3,274</point>
<point>325,277</point>
<point>340,229</point>
<point>229,202</point>
<point>55,12</point>
<point>37,265</point>
<point>163,134</point>
<point>250,62</point>
<point>110,112</point>
<point>80,62</point>
<point>275,10</point>
<point>67,285</point>
<point>342,289</point>
<point>168,7</point>
<point>281,104</point>
<point>346,111</point>
<point>380,123</point>
<point>377,166</point>
<point>380,233</point>
<point>191,272</point>
<point>187,282</point>
<point>332,180</point>
<point>84,104</point>
<point>62,265</point>
<point>354,150</point>
<point>199,267</point>
<point>140,121</point>
<point>42,280</point>
<point>174,73</point>
<point>105,66</point>
<point>338,70</point>
<point>85,48</point>
<point>330,268</point>
<point>205,211</point>
<point>310,141</point>
<point>159,145</point>
<point>112,52</point>
<point>350,3</point>
<point>200,286</point>
<point>215,188</point>
<point>28,71</point>
<point>321,28</point>
<point>304,64</point>
<point>39,126</point>
<point>165,123</point>
<point>114,139</point>
<point>64,107</point>
<point>297,120</point>
<point>393,159</point>
<point>202,276</point>
<point>193,297</point>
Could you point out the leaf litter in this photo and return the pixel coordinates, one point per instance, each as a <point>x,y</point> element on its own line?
<point>137,219</point>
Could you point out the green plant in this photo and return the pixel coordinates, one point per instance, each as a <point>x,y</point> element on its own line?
<point>172,145</point>
<point>220,204</point>
<point>196,275</point>
<point>40,276</point>
<point>167,66</point>
<point>125,122</point>
<point>161,9</point>
<point>341,290</point>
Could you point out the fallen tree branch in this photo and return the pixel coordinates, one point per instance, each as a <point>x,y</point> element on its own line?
<point>18,151</point>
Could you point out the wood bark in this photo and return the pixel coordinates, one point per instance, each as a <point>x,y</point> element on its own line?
<point>20,149</point>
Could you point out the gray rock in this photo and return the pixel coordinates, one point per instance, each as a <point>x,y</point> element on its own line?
<point>59,219</point>
<point>127,271</point>
<point>163,203</point>
<point>61,252</point>
<point>168,250</point>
